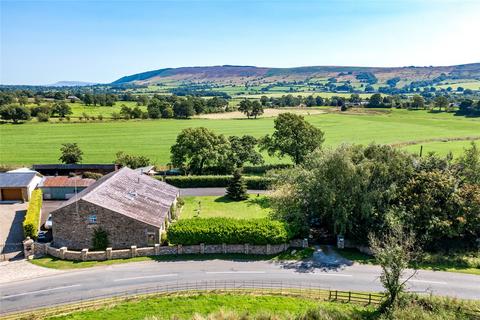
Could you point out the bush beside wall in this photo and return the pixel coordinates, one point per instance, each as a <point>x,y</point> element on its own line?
<point>32,217</point>
<point>229,231</point>
<point>255,183</point>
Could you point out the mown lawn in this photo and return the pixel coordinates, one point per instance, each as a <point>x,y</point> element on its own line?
<point>40,142</point>
<point>212,206</point>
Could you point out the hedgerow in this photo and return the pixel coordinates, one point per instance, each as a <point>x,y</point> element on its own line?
<point>256,183</point>
<point>32,217</point>
<point>229,231</point>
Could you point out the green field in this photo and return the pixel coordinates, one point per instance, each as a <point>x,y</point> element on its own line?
<point>40,142</point>
<point>185,307</point>
<point>254,207</point>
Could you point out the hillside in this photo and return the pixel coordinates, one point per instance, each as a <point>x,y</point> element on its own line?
<point>251,75</point>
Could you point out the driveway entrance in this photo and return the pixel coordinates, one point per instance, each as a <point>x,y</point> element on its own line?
<point>11,230</point>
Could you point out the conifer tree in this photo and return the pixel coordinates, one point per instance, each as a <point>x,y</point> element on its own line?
<point>237,190</point>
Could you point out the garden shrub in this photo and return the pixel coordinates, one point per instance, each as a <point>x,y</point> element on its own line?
<point>255,183</point>
<point>100,239</point>
<point>32,217</point>
<point>229,231</point>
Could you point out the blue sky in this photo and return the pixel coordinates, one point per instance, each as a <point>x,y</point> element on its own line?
<point>46,41</point>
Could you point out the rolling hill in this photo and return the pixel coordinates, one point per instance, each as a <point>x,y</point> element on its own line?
<point>238,75</point>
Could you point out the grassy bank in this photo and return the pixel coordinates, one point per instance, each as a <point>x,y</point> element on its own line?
<point>153,138</point>
<point>185,307</point>
<point>55,263</point>
<point>255,306</point>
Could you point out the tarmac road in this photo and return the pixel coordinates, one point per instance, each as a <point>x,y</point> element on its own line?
<point>96,282</point>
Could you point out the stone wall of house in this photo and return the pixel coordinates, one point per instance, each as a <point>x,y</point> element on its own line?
<point>72,229</point>
<point>42,249</point>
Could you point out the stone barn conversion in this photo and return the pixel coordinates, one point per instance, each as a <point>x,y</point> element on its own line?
<point>18,186</point>
<point>131,207</point>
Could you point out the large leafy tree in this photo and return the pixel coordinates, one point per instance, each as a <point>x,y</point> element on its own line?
<point>469,165</point>
<point>243,150</point>
<point>71,153</point>
<point>61,108</point>
<point>184,108</point>
<point>132,161</point>
<point>441,102</point>
<point>430,199</point>
<point>343,191</point>
<point>198,148</point>
<point>251,108</point>
<point>293,137</point>
<point>14,112</point>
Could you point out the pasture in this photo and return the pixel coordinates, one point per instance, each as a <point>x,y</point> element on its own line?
<point>40,142</point>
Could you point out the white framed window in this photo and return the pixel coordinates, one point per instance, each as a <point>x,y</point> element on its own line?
<point>92,218</point>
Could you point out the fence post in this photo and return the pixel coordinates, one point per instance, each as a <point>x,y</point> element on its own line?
<point>349,295</point>
<point>369,298</point>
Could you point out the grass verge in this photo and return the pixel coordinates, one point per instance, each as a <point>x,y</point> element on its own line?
<point>247,306</point>
<point>458,262</point>
<point>55,263</point>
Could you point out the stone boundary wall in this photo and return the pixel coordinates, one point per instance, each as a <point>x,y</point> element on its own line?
<point>42,249</point>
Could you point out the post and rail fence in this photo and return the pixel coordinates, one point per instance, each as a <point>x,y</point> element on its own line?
<point>285,288</point>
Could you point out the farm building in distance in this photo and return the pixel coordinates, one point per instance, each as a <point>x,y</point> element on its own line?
<point>18,186</point>
<point>63,187</point>
<point>73,169</point>
<point>131,207</point>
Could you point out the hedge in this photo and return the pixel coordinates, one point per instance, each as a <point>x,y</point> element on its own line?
<point>255,183</point>
<point>32,217</point>
<point>228,230</point>
<point>263,169</point>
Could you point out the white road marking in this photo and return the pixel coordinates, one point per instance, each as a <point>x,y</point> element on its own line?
<point>333,274</point>
<point>427,281</point>
<point>227,272</point>
<point>147,277</point>
<point>38,291</point>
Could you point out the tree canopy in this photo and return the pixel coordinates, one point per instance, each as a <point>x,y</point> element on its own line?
<point>293,136</point>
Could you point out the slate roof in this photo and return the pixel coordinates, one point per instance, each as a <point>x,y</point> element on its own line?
<point>131,194</point>
<point>16,179</point>
<point>64,181</point>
